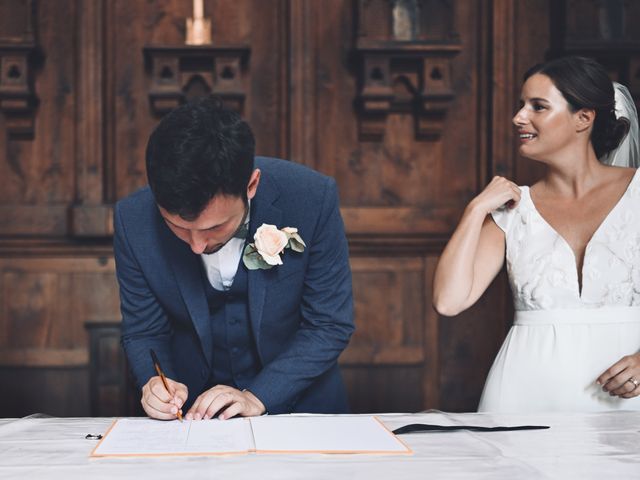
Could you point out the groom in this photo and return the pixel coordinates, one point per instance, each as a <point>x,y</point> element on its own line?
<point>239,326</point>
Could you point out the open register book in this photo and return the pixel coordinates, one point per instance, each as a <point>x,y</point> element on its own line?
<point>267,434</point>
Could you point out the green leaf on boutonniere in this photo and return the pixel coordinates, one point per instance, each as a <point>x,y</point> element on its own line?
<point>296,244</point>
<point>295,240</point>
<point>252,259</point>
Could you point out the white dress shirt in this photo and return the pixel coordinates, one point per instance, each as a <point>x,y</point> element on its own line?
<point>221,266</point>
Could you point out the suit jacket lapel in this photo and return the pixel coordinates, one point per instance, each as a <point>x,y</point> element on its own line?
<point>187,270</point>
<point>263,210</point>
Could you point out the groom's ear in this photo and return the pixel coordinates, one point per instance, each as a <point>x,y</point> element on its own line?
<point>252,186</point>
<point>584,119</point>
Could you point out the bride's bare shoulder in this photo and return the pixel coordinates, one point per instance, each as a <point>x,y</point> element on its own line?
<point>535,187</point>
<point>622,175</point>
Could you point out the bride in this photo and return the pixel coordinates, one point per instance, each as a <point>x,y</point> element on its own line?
<point>572,246</point>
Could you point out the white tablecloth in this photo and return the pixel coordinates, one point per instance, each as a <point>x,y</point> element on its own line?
<point>581,446</point>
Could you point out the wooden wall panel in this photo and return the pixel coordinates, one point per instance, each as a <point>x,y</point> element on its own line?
<point>384,366</point>
<point>401,195</point>
<point>45,304</point>
<point>468,343</point>
<point>132,120</point>
<point>384,388</point>
<point>255,23</point>
<point>90,191</point>
<point>41,171</point>
<point>389,325</point>
<point>59,391</point>
<point>38,175</point>
<point>399,171</point>
<point>44,345</point>
<point>532,40</point>
<point>397,191</point>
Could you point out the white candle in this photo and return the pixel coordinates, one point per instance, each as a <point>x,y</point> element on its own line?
<point>198,9</point>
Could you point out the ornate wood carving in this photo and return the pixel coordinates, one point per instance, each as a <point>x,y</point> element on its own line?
<point>19,57</point>
<point>409,71</point>
<point>181,73</point>
<point>413,78</point>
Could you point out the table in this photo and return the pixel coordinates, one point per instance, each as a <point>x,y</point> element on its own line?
<point>584,446</point>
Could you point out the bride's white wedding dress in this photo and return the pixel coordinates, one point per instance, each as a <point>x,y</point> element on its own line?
<point>562,338</point>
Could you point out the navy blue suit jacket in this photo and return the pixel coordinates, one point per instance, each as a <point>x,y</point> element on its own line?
<point>301,312</point>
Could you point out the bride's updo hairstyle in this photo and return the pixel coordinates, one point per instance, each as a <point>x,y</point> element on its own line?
<point>584,83</point>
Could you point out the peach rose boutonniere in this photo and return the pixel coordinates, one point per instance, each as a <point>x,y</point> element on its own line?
<point>268,244</point>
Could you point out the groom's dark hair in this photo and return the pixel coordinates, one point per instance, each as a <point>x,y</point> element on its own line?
<point>197,151</point>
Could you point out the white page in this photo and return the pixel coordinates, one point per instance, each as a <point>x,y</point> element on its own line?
<point>144,436</point>
<point>344,434</point>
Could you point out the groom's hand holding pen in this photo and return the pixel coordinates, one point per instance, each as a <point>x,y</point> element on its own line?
<point>163,401</point>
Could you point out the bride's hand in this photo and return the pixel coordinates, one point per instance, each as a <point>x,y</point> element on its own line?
<point>622,379</point>
<point>499,192</point>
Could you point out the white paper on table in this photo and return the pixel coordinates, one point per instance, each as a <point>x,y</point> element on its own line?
<point>268,434</point>
<point>324,434</point>
<point>144,436</point>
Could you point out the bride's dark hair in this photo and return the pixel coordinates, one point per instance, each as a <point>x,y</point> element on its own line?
<point>584,83</point>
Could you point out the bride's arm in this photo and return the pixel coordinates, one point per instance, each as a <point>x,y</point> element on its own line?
<point>475,252</point>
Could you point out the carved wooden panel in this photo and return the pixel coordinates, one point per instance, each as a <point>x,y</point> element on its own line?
<point>44,303</point>
<point>42,300</point>
<point>18,62</point>
<point>179,74</point>
<point>38,173</point>
<point>404,50</point>
<point>396,335</point>
<point>399,173</point>
<point>257,24</point>
<point>401,194</point>
<point>389,328</point>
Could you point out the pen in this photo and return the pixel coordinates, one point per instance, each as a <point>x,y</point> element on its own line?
<point>156,364</point>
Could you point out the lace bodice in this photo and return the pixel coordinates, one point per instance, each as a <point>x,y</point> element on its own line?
<point>542,266</point>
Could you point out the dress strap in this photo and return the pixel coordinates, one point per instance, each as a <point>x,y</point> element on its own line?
<point>504,215</point>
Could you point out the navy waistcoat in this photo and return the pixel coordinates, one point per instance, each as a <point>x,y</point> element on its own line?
<point>235,359</point>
